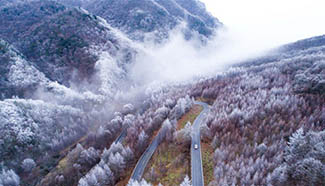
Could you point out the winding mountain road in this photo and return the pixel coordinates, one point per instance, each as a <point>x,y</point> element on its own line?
<point>122,135</point>
<point>142,163</point>
<point>196,158</point>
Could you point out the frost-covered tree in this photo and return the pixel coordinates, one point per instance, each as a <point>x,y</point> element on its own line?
<point>159,116</point>
<point>28,164</point>
<point>170,103</point>
<point>117,163</point>
<point>297,146</point>
<point>186,182</point>
<point>101,174</point>
<point>205,131</point>
<point>303,160</point>
<point>184,135</point>
<point>114,160</point>
<point>31,127</point>
<point>255,108</point>
<point>236,116</point>
<point>88,156</point>
<point>136,183</point>
<point>167,130</point>
<point>128,109</point>
<point>127,154</point>
<point>142,141</point>
<point>129,120</point>
<point>9,178</point>
<point>183,105</point>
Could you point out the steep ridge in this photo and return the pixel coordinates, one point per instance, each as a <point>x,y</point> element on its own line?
<point>17,74</point>
<point>63,43</point>
<point>61,67</point>
<point>157,17</point>
<point>67,44</point>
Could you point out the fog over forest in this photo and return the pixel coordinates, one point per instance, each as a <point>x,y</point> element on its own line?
<point>160,92</point>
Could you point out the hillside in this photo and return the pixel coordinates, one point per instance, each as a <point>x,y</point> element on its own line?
<point>71,114</point>
<point>18,75</point>
<point>257,110</point>
<point>63,43</point>
<point>62,68</point>
<point>155,17</point>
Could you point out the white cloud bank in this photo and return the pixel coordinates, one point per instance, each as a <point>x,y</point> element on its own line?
<point>251,27</point>
<point>179,60</point>
<point>266,23</point>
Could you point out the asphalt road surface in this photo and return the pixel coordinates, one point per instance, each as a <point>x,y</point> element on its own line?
<point>196,158</point>
<point>142,163</point>
<point>122,136</point>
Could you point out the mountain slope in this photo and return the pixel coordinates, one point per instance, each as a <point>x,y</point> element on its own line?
<point>157,17</point>
<point>61,68</point>
<point>304,44</point>
<point>307,67</point>
<point>66,43</point>
<point>257,109</point>
<point>67,66</point>
<point>62,42</point>
<point>17,74</point>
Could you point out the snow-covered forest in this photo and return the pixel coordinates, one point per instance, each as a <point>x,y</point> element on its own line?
<point>73,111</point>
<point>258,115</point>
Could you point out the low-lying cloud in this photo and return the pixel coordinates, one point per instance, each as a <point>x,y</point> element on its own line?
<point>178,60</point>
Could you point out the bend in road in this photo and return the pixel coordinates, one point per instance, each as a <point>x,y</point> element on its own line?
<point>196,160</point>
<point>142,163</point>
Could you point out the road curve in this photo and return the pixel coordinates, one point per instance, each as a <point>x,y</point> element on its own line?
<point>196,158</point>
<point>142,163</point>
<point>122,135</point>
